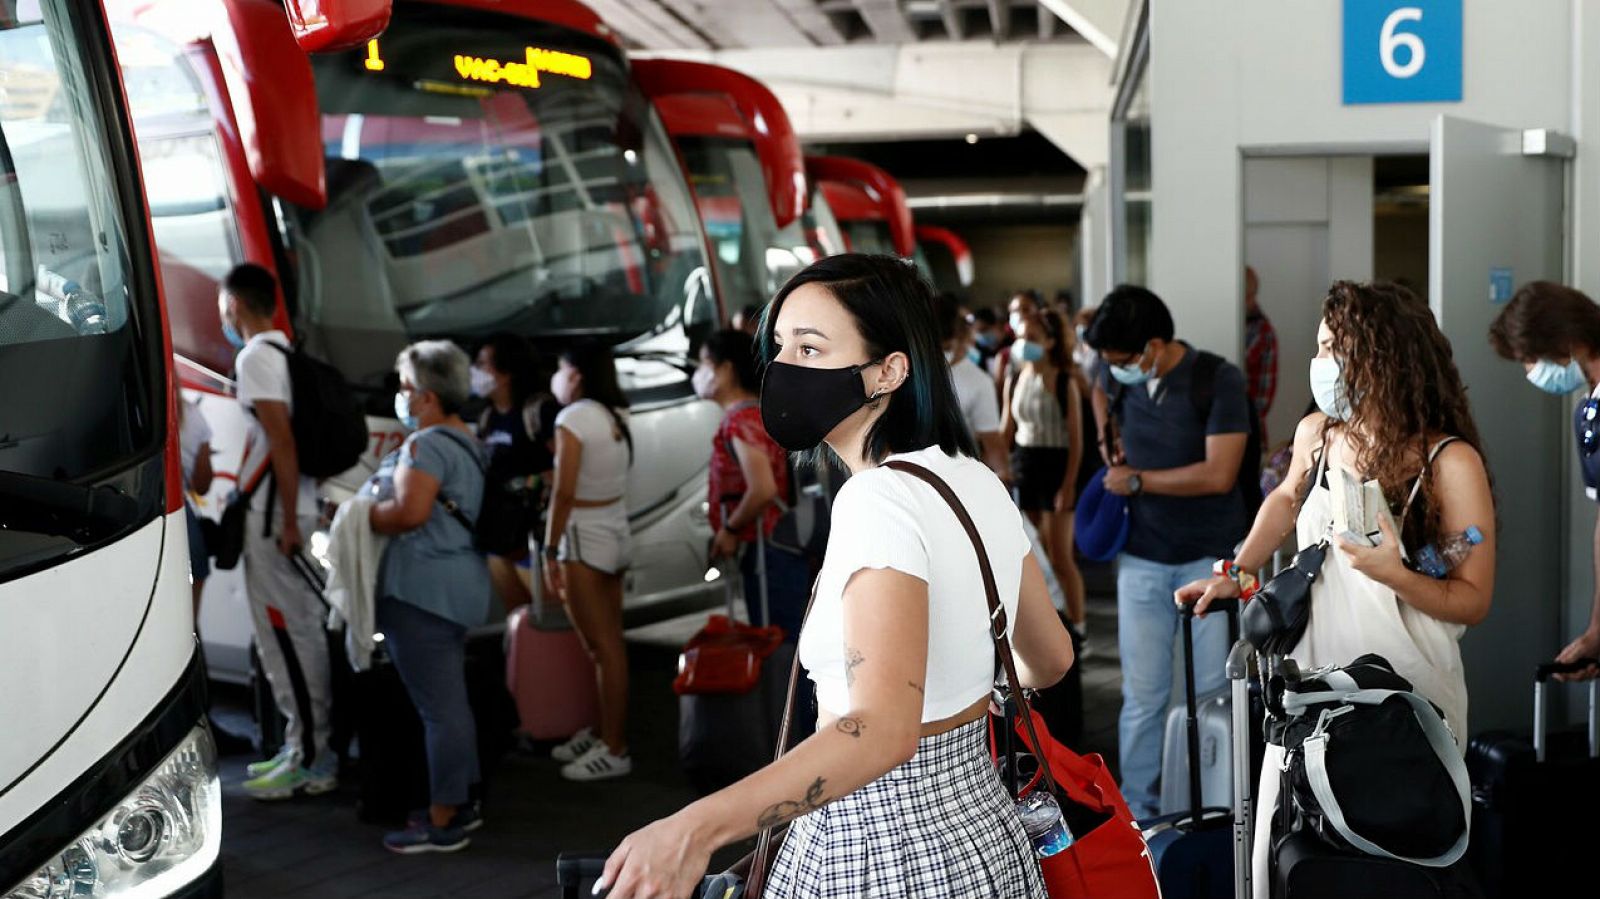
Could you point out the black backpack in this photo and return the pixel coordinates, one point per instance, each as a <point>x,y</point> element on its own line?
<point>330,430</point>
<point>1202,394</point>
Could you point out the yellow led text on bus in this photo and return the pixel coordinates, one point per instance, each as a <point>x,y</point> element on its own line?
<point>525,73</point>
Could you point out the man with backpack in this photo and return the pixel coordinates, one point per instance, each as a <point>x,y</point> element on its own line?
<point>286,612</point>
<point>1176,427</point>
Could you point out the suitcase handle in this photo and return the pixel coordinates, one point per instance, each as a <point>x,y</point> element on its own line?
<point>1231,608</point>
<point>1540,723</point>
<point>573,869</point>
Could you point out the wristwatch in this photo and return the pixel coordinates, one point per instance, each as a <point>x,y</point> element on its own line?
<point>1135,484</point>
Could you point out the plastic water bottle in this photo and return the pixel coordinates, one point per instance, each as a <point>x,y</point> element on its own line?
<point>1437,561</point>
<point>1041,818</point>
<point>85,312</point>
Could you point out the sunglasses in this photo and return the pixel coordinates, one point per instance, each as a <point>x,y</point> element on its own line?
<point>1589,431</point>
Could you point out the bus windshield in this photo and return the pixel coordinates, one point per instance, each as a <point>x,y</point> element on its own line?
<point>492,174</point>
<point>79,348</point>
<point>752,256</point>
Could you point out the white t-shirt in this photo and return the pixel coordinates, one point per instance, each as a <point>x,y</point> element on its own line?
<point>603,470</point>
<point>975,393</point>
<point>194,433</point>
<point>883,518</point>
<point>263,374</point>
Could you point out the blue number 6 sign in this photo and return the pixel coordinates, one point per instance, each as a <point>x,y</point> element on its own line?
<point>1402,51</point>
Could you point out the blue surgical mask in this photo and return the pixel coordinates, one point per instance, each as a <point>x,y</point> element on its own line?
<point>1557,379</point>
<point>232,336</point>
<point>1027,351</point>
<point>1328,388</point>
<point>989,339</point>
<point>402,411</point>
<point>1131,375</point>
<point>975,357</point>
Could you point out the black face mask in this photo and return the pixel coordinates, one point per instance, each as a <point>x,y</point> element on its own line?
<point>800,405</point>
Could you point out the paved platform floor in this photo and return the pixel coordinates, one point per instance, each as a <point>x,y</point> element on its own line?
<point>317,847</point>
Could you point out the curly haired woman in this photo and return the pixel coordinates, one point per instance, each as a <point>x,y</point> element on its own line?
<point>1394,410</point>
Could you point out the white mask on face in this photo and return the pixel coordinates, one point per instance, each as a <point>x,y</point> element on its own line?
<point>561,386</point>
<point>483,383</point>
<point>1017,323</point>
<point>705,382</point>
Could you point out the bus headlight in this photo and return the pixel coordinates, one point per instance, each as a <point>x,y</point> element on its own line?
<point>163,835</point>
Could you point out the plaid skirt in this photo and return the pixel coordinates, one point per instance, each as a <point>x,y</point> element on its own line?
<point>940,825</point>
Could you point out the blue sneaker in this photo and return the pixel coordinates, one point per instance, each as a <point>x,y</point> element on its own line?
<point>426,838</point>
<point>468,817</point>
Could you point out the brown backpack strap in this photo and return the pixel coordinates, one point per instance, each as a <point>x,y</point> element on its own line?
<point>761,859</point>
<point>997,612</point>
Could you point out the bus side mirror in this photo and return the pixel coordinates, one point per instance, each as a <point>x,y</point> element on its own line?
<point>322,26</point>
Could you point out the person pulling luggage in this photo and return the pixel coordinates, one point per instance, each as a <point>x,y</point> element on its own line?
<point>1395,427</point>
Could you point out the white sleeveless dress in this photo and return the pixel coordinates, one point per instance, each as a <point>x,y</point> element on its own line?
<point>1351,615</point>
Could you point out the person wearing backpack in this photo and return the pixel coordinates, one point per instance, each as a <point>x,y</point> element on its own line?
<point>433,584</point>
<point>588,545</point>
<point>282,511</point>
<point>748,482</point>
<point>1184,422</point>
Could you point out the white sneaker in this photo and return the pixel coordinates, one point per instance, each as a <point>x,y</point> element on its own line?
<point>577,747</point>
<point>598,764</point>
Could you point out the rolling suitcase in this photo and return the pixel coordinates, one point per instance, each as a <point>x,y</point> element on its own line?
<point>393,760</point>
<point>725,735</point>
<point>548,674</point>
<point>1527,796</point>
<point>1192,850</point>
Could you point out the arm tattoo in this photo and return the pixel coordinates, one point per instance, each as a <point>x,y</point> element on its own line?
<point>851,726</point>
<point>918,687</point>
<point>788,810</point>
<point>852,658</point>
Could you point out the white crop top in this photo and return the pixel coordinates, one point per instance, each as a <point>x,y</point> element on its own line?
<point>603,469</point>
<point>887,519</point>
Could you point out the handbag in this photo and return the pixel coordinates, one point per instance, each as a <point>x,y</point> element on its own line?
<point>1370,765</point>
<point>1110,857</point>
<point>1275,618</point>
<point>725,656</point>
<point>224,538</point>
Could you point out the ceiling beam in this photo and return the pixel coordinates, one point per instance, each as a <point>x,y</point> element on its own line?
<point>1000,19</point>
<point>887,21</point>
<point>953,25</point>
<point>811,19</point>
<point>1098,21</point>
<point>647,24</point>
<point>1047,23</point>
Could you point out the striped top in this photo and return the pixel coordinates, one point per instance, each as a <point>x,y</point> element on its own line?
<point>1037,412</point>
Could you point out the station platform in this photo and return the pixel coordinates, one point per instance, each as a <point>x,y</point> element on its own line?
<point>316,847</point>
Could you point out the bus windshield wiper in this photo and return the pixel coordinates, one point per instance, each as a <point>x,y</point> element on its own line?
<point>80,513</point>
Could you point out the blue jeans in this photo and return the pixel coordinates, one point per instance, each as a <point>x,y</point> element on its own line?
<point>788,588</point>
<point>429,652</point>
<point>1147,623</point>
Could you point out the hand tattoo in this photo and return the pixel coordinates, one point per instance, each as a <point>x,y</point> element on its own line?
<point>852,658</point>
<point>851,726</point>
<point>789,810</point>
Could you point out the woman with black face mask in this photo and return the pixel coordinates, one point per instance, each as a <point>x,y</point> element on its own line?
<point>894,794</point>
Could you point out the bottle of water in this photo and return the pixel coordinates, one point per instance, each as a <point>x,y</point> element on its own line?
<point>1437,561</point>
<point>1041,818</point>
<point>85,312</point>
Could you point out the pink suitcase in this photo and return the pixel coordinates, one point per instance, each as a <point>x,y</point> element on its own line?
<point>551,678</point>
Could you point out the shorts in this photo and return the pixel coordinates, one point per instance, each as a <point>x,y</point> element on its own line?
<point>199,557</point>
<point>1038,473</point>
<point>599,538</point>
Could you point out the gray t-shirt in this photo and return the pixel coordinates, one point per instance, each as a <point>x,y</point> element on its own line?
<point>1164,430</point>
<point>436,567</point>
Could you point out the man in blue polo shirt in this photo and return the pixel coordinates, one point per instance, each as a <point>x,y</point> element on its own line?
<point>1179,421</point>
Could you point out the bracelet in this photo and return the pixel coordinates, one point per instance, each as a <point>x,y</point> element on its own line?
<point>1247,582</point>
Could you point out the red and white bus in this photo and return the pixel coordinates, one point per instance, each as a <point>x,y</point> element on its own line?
<point>744,163</point>
<point>490,165</point>
<point>108,778</point>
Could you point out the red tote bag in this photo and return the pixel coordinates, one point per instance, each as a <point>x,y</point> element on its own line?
<point>1110,860</point>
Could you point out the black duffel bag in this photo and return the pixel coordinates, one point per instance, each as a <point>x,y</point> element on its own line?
<point>1372,766</point>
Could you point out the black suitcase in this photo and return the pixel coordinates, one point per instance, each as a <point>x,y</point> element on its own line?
<point>393,758</point>
<point>1193,851</point>
<point>725,737</point>
<point>1528,812</point>
<point>1304,867</point>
